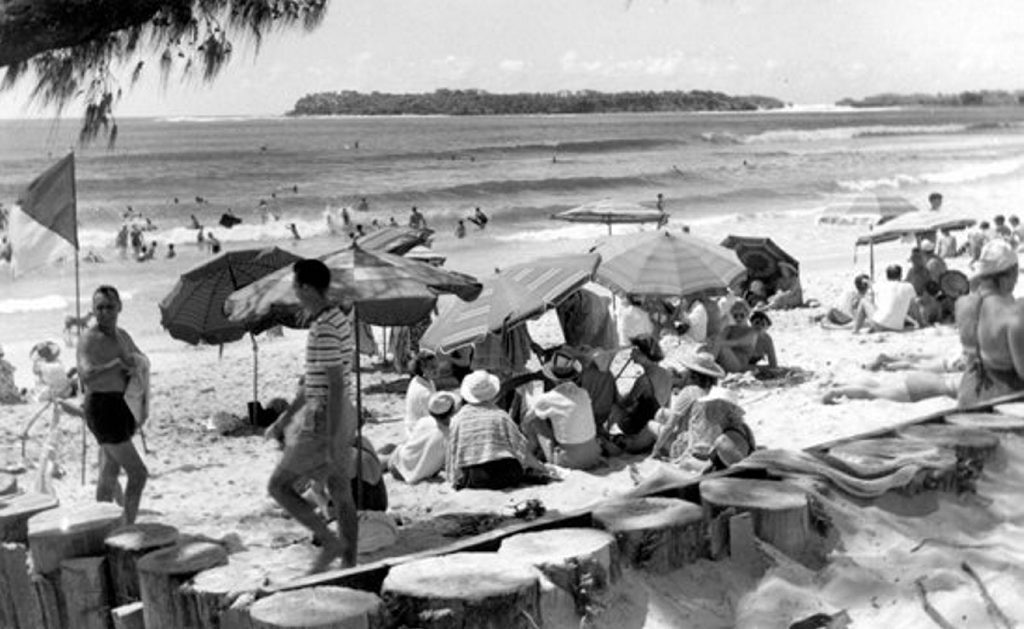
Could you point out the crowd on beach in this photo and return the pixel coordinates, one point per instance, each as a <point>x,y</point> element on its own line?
<point>507,411</point>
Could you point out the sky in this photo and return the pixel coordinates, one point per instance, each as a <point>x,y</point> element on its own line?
<point>801,51</point>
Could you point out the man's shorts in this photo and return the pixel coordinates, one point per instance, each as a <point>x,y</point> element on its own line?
<point>108,417</point>
<point>306,446</point>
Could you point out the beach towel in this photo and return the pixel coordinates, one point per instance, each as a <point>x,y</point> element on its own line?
<point>136,395</point>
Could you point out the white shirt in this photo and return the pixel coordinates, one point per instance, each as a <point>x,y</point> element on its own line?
<point>569,410</point>
<point>416,398</point>
<point>634,322</point>
<point>892,301</point>
<point>698,318</point>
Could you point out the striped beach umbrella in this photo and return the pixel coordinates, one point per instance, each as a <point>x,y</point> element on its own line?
<point>509,298</point>
<point>396,240</point>
<point>609,212</point>
<point>870,207</point>
<point>665,264</point>
<point>917,224</point>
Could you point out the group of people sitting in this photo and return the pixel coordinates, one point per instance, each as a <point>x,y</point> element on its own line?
<point>494,434</point>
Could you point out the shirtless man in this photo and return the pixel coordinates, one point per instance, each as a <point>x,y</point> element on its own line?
<point>106,359</point>
<point>991,327</point>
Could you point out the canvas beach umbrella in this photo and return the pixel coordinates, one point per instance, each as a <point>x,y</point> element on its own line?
<point>874,208</point>
<point>396,240</point>
<point>665,264</point>
<point>608,212</point>
<point>918,224</point>
<point>509,298</point>
<point>194,309</point>
<point>760,255</point>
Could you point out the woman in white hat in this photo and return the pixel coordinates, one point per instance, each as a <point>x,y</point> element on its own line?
<point>991,326</point>
<point>694,374</point>
<point>561,421</point>
<point>486,450</point>
<point>422,455</point>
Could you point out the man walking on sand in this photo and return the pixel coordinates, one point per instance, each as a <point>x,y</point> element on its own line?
<point>316,446</point>
<point>107,357</point>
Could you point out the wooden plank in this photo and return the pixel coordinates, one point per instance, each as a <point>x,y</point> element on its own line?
<point>128,616</point>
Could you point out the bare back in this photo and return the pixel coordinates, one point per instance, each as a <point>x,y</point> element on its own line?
<point>991,326</point>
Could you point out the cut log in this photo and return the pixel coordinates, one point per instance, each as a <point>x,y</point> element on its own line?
<point>970,444</point>
<point>86,592</point>
<point>871,458</point>
<point>51,600</point>
<point>128,616</point>
<point>15,512</point>
<point>8,484</point>
<point>480,590</point>
<point>69,532</point>
<point>326,607</point>
<point>19,598</point>
<point>217,596</point>
<point>580,567</point>
<point>657,534</point>
<point>779,510</point>
<point>161,575</point>
<point>996,422</point>
<point>125,546</point>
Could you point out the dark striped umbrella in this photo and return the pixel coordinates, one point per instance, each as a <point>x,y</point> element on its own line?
<point>509,298</point>
<point>665,264</point>
<point>194,309</point>
<point>760,255</point>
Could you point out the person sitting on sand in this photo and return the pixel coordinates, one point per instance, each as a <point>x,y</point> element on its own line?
<point>651,391</point>
<point>9,391</point>
<point>422,455</point>
<point>934,263</point>
<point>561,420</point>
<point>788,292</point>
<point>422,371</point>
<point>895,305</point>
<point>739,347</point>
<point>485,448</point>
<point>991,327</point>
<point>702,429</point>
<point>843,311</point>
<point>757,294</point>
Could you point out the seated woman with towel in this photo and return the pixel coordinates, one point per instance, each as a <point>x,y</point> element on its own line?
<point>423,453</point>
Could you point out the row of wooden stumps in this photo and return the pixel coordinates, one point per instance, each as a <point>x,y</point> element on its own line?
<point>64,567</point>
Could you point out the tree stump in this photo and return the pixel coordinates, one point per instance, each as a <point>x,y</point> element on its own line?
<point>657,534</point>
<point>580,566</point>
<point>125,546</point>
<point>161,575</point>
<point>19,604</point>
<point>480,590</point>
<point>69,532</point>
<point>996,422</point>
<point>872,459</point>
<point>219,596</point>
<point>15,512</point>
<point>970,444</point>
<point>779,510</point>
<point>326,607</point>
<point>86,592</point>
<point>128,616</point>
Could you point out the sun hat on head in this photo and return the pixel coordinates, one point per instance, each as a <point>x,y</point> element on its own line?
<point>441,403</point>
<point>700,362</point>
<point>47,351</point>
<point>997,256</point>
<point>479,386</point>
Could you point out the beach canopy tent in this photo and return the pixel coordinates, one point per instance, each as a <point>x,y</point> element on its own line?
<point>608,212</point>
<point>396,240</point>
<point>760,255</point>
<point>194,309</point>
<point>661,263</point>
<point>872,208</point>
<point>509,298</point>
<point>917,224</point>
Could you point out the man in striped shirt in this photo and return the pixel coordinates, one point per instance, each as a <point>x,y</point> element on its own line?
<point>316,443</point>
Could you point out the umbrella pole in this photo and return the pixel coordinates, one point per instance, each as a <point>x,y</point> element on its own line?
<point>359,414</point>
<point>255,380</point>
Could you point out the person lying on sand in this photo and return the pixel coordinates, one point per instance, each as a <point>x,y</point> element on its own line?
<point>560,422</point>
<point>912,386</point>
<point>894,308</point>
<point>485,448</point>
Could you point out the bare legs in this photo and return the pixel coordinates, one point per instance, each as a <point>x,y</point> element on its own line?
<point>282,488</point>
<point>114,457</point>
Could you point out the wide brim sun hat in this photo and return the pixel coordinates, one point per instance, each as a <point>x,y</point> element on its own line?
<point>479,387</point>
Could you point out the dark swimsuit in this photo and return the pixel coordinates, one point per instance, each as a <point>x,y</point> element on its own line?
<point>108,417</point>
<point>641,412</point>
<point>982,383</point>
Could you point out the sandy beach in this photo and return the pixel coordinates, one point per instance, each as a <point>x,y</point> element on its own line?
<point>211,484</point>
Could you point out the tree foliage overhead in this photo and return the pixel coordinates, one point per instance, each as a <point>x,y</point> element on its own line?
<point>80,50</point>
<point>478,102</point>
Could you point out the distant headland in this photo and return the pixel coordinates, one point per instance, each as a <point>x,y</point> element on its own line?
<point>981,98</point>
<point>480,103</point>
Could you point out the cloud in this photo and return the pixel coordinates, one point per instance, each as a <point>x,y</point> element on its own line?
<point>452,67</point>
<point>512,65</point>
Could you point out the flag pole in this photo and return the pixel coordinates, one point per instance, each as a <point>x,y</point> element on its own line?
<point>78,295</point>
